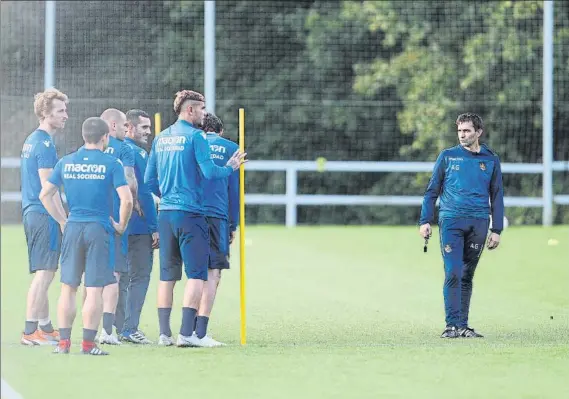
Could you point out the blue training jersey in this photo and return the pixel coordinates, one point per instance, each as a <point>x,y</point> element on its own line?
<point>90,178</point>
<point>123,152</point>
<point>469,184</point>
<point>38,152</point>
<point>147,224</point>
<point>179,160</point>
<point>221,196</point>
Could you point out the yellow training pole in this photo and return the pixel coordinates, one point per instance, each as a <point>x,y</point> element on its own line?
<point>242,226</point>
<point>157,123</point>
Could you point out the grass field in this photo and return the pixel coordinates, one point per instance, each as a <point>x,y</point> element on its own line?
<point>333,312</point>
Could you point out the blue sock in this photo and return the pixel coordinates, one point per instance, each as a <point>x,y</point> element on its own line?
<point>108,319</point>
<point>201,326</point>
<point>31,327</point>
<point>164,321</point>
<point>65,333</point>
<point>188,321</point>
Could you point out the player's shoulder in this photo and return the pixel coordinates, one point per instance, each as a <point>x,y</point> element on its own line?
<point>230,145</point>
<point>490,151</point>
<point>450,151</point>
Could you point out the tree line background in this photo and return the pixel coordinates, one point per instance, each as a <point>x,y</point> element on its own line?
<point>350,81</point>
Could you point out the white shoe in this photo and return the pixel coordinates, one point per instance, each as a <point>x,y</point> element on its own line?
<point>108,339</point>
<point>165,340</point>
<point>191,341</point>
<point>209,342</point>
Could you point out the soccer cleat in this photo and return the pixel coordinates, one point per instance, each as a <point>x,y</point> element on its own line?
<point>108,339</point>
<point>63,346</point>
<point>93,350</point>
<point>450,332</point>
<point>52,336</point>
<point>165,340</point>
<point>209,342</point>
<point>469,333</point>
<point>191,341</point>
<point>35,338</point>
<point>136,337</point>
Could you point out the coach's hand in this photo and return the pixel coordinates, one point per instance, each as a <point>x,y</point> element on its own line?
<point>120,229</point>
<point>493,241</point>
<point>155,240</point>
<point>237,159</point>
<point>62,226</point>
<point>425,230</point>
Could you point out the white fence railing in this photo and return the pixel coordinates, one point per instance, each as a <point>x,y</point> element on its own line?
<point>291,199</point>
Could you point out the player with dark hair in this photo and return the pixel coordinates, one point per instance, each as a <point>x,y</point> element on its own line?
<point>89,177</point>
<point>179,160</point>
<point>43,235</point>
<point>221,205</point>
<point>468,179</point>
<point>142,231</point>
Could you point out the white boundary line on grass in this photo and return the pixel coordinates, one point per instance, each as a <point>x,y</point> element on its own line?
<point>8,392</point>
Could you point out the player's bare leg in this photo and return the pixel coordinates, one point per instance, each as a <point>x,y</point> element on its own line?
<point>164,302</point>
<point>206,305</point>
<point>37,308</point>
<point>110,297</point>
<point>192,297</point>
<point>66,311</point>
<point>92,311</point>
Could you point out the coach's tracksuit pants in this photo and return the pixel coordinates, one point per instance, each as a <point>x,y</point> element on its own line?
<point>134,285</point>
<point>462,242</point>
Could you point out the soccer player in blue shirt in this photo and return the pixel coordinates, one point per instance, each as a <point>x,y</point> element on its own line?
<point>89,177</point>
<point>179,160</point>
<point>115,295</point>
<point>43,235</point>
<point>142,231</point>
<point>221,205</point>
<point>468,178</point>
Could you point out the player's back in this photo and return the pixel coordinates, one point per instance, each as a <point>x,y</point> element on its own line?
<point>216,191</point>
<point>87,177</point>
<point>38,152</point>
<point>123,152</point>
<point>179,176</point>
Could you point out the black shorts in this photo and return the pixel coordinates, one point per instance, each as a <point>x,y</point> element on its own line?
<point>218,243</point>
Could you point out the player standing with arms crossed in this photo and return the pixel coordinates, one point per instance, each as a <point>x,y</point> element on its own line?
<point>468,178</point>
<point>43,235</point>
<point>89,177</point>
<point>179,160</point>
<point>221,204</point>
<point>142,230</point>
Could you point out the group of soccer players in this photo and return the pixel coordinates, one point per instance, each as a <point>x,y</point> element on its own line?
<point>107,238</point>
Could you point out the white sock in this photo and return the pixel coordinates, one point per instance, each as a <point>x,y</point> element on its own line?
<point>44,322</point>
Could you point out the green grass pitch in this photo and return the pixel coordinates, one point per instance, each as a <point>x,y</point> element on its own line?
<point>333,312</point>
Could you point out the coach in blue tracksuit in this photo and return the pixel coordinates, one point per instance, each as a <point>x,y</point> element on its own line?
<point>468,179</point>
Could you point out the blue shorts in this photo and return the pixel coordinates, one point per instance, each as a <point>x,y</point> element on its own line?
<point>184,238</point>
<point>218,243</point>
<point>87,247</point>
<point>121,252</point>
<point>43,237</point>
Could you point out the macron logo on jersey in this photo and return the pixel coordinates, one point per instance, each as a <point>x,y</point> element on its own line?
<point>47,143</point>
<point>173,143</point>
<point>142,153</point>
<point>83,171</point>
<point>110,150</point>
<point>216,151</point>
